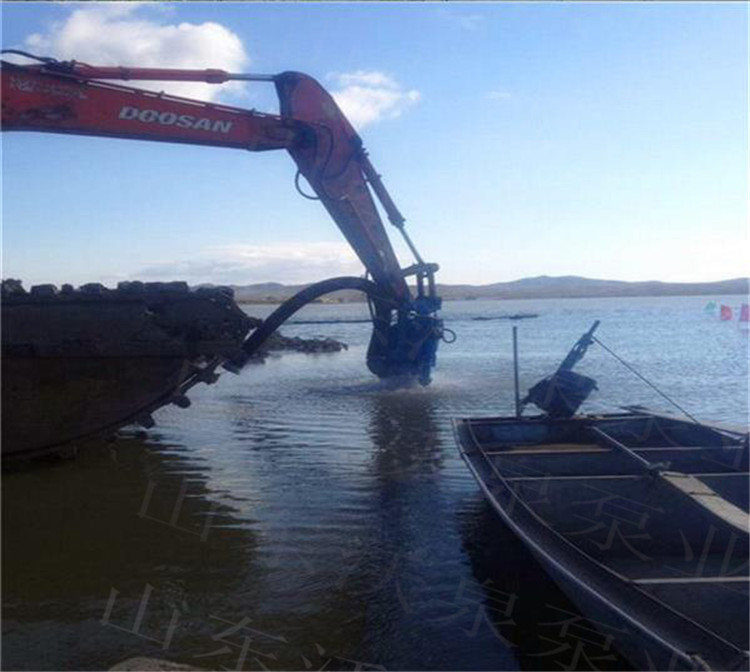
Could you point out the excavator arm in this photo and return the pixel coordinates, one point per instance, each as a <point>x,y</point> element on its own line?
<point>70,97</point>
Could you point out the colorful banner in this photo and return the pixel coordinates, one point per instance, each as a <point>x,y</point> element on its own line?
<point>725,313</point>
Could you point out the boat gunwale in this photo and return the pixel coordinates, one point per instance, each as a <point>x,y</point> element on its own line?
<point>638,413</point>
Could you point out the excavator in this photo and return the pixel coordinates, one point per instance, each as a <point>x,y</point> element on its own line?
<point>46,95</point>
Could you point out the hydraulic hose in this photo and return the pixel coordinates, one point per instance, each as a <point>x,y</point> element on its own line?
<point>381,319</point>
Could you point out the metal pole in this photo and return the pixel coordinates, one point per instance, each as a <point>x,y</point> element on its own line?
<point>515,371</point>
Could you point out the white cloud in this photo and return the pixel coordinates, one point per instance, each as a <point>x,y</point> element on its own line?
<point>499,94</point>
<point>134,34</point>
<point>464,21</point>
<point>469,21</point>
<point>367,96</point>
<point>290,263</point>
<point>367,78</point>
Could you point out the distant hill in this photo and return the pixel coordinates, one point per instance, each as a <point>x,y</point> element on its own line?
<point>570,286</point>
<point>540,287</point>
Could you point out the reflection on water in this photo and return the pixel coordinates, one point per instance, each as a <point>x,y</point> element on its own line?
<point>115,521</point>
<point>303,516</point>
<point>405,436</point>
<point>526,606</point>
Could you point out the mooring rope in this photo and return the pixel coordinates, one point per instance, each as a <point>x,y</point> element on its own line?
<point>645,380</point>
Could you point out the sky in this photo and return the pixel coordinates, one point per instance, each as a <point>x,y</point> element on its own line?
<point>602,140</point>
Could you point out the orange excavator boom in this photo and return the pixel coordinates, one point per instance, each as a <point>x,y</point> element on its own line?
<point>71,97</point>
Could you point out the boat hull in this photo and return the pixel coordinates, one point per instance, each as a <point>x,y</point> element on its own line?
<point>665,605</point>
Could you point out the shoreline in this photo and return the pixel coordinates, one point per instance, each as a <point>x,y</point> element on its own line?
<point>279,301</point>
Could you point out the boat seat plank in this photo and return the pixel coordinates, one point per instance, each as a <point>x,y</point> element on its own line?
<point>520,449</point>
<point>552,477</point>
<point>706,497</point>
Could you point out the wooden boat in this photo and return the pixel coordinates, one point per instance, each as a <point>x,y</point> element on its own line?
<point>80,363</point>
<point>640,517</point>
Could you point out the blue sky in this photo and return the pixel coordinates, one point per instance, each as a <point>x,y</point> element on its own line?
<point>604,140</point>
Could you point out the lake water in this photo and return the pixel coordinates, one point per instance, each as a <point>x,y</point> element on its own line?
<point>302,516</point>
